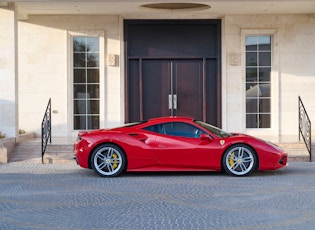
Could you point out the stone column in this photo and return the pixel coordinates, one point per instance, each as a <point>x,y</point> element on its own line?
<point>8,72</point>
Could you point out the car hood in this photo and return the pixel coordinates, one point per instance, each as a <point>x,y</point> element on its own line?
<point>257,140</point>
<point>242,135</point>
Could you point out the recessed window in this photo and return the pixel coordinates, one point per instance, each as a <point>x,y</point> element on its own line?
<point>258,83</point>
<point>86,83</point>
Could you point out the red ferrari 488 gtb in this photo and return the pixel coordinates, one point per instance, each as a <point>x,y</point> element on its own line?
<point>174,144</point>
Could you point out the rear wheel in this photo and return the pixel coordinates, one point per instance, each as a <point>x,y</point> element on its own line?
<point>108,160</point>
<point>239,160</point>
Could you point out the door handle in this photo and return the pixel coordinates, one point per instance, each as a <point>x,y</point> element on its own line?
<point>174,101</point>
<point>170,101</point>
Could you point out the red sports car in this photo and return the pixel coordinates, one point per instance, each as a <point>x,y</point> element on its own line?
<point>174,144</point>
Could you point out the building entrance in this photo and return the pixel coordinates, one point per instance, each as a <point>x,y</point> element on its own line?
<point>173,69</point>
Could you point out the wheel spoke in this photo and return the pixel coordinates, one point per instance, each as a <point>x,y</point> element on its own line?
<point>100,156</point>
<point>110,168</point>
<point>110,152</point>
<point>243,167</point>
<point>102,165</point>
<point>116,160</point>
<point>233,165</point>
<point>241,152</point>
<point>232,157</point>
<point>247,159</point>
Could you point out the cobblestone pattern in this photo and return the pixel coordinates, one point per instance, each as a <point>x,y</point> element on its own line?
<point>53,196</point>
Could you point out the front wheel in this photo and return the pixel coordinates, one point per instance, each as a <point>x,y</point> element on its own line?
<point>108,160</point>
<point>239,160</point>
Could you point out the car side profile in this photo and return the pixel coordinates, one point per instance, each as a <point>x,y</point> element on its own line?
<point>174,144</point>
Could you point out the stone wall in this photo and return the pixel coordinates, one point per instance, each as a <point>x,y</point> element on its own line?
<point>8,74</point>
<point>45,63</point>
<point>45,69</point>
<point>7,146</point>
<point>293,69</point>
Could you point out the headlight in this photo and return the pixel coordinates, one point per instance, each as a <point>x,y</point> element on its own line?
<point>275,146</point>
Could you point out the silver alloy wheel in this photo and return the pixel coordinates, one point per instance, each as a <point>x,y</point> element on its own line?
<point>240,160</point>
<point>108,161</point>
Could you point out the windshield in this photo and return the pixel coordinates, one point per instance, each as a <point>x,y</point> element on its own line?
<point>218,132</point>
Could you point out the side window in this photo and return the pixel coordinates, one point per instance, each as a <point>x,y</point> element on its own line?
<point>181,129</point>
<point>154,128</point>
<point>178,129</point>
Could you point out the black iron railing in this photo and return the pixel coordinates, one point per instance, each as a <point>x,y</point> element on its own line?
<point>305,127</point>
<point>46,129</point>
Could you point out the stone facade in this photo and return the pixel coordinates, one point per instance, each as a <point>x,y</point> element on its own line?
<point>44,70</point>
<point>8,73</point>
<point>293,71</point>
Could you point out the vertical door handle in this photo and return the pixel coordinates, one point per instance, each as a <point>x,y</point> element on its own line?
<point>170,101</point>
<point>174,101</point>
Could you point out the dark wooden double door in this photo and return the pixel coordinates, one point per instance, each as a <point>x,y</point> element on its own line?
<point>173,69</point>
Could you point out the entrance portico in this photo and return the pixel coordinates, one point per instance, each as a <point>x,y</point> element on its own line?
<point>39,37</point>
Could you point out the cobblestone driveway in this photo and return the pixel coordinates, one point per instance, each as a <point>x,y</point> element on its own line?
<point>68,197</point>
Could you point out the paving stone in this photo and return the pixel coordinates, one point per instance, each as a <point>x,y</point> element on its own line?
<point>65,196</point>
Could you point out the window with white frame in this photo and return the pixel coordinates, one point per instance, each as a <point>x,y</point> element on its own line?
<point>258,81</point>
<point>86,83</point>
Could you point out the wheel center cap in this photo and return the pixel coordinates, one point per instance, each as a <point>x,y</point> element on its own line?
<point>107,161</point>
<point>239,161</point>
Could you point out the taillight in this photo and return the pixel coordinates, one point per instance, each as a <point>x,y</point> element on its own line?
<point>79,138</point>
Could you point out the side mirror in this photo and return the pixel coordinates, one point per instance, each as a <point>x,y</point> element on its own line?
<point>205,137</point>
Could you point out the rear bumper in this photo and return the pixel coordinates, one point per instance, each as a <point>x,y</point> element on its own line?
<point>75,158</point>
<point>284,160</point>
<point>81,154</point>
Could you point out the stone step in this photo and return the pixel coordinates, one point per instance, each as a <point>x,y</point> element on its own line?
<point>28,150</point>
<point>59,148</point>
<point>292,145</point>
<point>59,158</point>
<point>60,151</point>
<point>296,151</point>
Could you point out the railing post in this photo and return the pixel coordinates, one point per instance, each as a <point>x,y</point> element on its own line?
<point>305,127</point>
<point>50,120</point>
<point>310,141</point>
<point>299,113</point>
<point>46,128</point>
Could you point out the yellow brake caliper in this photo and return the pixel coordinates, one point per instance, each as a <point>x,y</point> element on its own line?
<point>231,161</point>
<point>115,165</point>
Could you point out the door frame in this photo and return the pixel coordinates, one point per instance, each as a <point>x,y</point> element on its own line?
<point>218,57</point>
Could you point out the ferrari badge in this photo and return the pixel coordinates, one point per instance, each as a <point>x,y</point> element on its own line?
<point>222,142</point>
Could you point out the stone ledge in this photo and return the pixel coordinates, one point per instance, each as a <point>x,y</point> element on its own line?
<point>59,158</point>
<point>7,146</point>
<point>25,136</point>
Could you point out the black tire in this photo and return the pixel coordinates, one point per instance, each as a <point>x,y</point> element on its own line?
<point>108,160</point>
<point>239,160</point>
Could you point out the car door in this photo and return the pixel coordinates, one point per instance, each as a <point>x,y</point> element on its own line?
<point>179,146</point>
